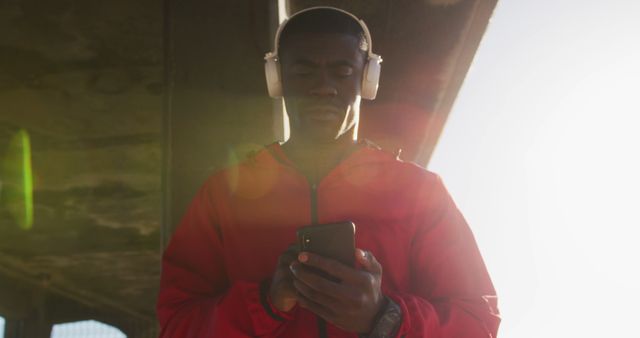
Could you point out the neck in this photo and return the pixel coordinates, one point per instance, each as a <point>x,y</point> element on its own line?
<point>314,159</point>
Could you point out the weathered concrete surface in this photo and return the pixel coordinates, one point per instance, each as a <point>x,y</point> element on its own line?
<point>85,80</point>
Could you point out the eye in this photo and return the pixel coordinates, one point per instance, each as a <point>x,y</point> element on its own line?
<point>301,70</point>
<point>343,71</point>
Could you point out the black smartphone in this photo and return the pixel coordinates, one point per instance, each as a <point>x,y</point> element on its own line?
<point>334,240</point>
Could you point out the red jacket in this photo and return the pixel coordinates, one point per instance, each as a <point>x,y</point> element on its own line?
<point>246,215</point>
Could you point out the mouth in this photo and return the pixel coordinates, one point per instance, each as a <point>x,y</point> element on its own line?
<point>324,113</point>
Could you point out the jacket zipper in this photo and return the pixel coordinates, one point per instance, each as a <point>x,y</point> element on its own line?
<point>322,324</point>
<point>314,204</point>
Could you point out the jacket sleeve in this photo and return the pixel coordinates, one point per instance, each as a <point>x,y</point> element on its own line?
<point>196,298</point>
<point>451,294</point>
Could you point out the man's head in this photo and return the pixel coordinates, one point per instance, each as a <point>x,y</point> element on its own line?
<point>322,20</point>
<point>322,55</point>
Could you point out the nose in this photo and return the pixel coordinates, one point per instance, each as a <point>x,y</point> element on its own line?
<point>324,87</point>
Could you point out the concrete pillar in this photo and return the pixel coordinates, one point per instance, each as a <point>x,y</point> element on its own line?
<point>32,327</point>
<point>217,104</point>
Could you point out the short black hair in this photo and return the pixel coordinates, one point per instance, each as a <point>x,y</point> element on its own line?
<point>323,21</point>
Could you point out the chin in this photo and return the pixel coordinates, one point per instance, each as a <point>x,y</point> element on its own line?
<point>322,139</point>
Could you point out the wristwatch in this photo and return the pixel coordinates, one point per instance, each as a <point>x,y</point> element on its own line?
<point>388,321</point>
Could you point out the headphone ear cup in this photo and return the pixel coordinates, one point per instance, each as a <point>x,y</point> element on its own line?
<point>371,77</point>
<point>272,74</point>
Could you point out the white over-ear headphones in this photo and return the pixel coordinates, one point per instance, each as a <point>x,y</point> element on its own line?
<point>370,76</point>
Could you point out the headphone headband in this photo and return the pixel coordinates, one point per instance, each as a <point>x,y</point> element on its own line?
<point>365,29</point>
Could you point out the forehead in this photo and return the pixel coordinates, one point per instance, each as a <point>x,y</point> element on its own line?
<point>321,47</point>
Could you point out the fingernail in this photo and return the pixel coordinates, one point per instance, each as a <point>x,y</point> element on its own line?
<point>363,253</point>
<point>303,257</point>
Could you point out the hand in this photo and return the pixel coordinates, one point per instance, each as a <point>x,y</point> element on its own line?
<point>282,292</point>
<point>351,304</point>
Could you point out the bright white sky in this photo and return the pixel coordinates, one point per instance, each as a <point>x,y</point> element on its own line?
<point>542,154</point>
<point>86,329</point>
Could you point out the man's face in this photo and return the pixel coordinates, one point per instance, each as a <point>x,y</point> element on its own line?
<point>321,78</point>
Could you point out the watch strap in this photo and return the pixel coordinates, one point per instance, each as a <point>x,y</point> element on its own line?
<point>388,321</point>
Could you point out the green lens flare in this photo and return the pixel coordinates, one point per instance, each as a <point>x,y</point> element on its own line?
<point>18,180</point>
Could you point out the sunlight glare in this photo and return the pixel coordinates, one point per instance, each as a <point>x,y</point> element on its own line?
<point>542,154</point>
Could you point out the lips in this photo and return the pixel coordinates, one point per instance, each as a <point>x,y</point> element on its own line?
<point>325,113</point>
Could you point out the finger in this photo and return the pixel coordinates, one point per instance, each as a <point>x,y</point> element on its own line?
<point>320,298</point>
<point>316,308</point>
<point>330,266</point>
<point>289,255</point>
<point>318,283</point>
<point>286,258</point>
<point>368,261</point>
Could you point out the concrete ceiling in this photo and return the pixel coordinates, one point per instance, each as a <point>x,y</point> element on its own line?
<point>84,79</point>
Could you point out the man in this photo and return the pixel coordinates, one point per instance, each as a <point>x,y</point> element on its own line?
<point>230,269</point>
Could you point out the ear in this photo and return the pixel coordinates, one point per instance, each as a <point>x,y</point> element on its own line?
<point>272,74</point>
<point>371,77</point>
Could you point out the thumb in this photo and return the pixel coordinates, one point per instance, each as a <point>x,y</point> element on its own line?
<point>368,261</point>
